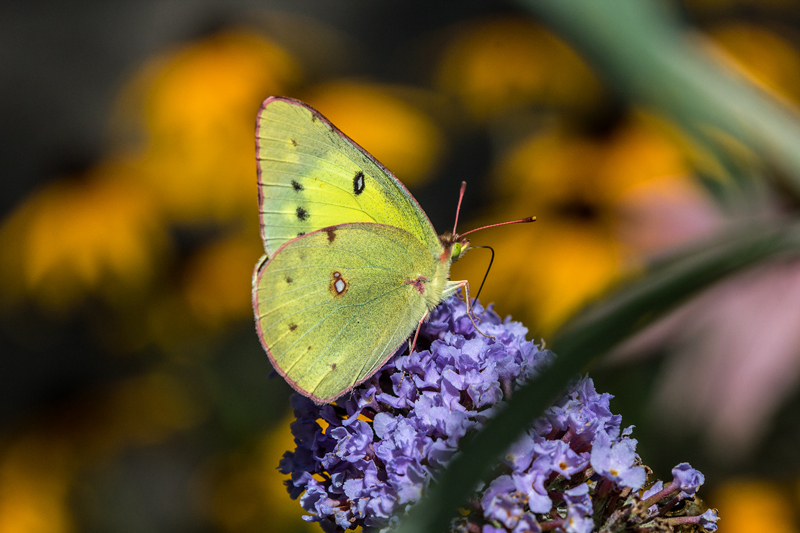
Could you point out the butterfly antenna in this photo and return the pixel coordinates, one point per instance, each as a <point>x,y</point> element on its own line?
<point>458,208</point>
<point>520,221</point>
<point>474,300</point>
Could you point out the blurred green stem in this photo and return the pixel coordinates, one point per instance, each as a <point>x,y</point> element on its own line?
<point>641,49</point>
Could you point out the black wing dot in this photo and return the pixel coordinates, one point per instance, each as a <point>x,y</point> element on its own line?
<point>294,143</point>
<point>358,182</point>
<point>296,186</point>
<point>302,214</point>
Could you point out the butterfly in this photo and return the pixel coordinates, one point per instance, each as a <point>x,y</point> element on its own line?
<point>352,265</point>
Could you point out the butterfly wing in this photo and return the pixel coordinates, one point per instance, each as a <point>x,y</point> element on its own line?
<point>333,305</point>
<point>311,176</point>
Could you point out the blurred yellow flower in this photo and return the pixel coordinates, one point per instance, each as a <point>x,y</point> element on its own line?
<point>765,57</point>
<point>400,136</point>
<point>99,233</point>
<point>217,282</point>
<point>40,467</point>
<point>143,410</point>
<point>493,66</point>
<point>35,476</point>
<point>575,186</point>
<point>746,506</point>
<point>247,492</point>
<point>200,109</point>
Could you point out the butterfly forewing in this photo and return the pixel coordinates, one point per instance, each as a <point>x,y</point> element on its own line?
<point>312,176</point>
<point>333,305</point>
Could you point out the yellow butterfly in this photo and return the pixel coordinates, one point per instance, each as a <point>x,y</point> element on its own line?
<point>352,263</point>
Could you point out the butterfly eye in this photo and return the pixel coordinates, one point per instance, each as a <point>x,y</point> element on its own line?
<point>456,250</point>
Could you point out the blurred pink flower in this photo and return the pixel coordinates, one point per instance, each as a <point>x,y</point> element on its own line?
<point>733,352</point>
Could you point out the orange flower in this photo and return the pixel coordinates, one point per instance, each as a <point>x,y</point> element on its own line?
<point>98,234</point>
<point>498,65</point>
<point>217,284</point>
<point>200,108</point>
<point>763,56</point>
<point>753,505</point>
<point>576,187</point>
<point>40,467</point>
<point>35,478</point>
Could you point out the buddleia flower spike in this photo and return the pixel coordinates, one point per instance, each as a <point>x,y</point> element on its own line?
<point>367,459</point>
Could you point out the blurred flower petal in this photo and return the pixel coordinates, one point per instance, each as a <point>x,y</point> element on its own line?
<point>400,136</point>
<point>752,505</point>
<point>666,212</point>
<point>579,188</point>
<point>494,66</point>
<point>735,356</point>
<point>217,283</point>
<point>764,56</point>
<point>73,237</point>
<point>35,475</point>
<point>200,107</point>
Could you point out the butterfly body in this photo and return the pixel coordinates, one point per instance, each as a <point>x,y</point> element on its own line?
<point>352,262</point>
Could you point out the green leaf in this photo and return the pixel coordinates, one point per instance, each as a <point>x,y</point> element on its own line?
<point>641,49</point>
<point>593,332</point>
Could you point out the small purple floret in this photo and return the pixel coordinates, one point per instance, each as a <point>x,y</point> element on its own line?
<point>617,461</point>
<point>709,520</point>
<point>687,478</point>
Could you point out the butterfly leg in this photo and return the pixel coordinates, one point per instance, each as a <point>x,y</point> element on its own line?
<point>416,333</point>
<point>470,313</point>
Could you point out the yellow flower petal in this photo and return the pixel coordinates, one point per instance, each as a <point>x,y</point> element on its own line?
<point>35,478</point>
<point>200,109</point>
<point>762,55</point>
<point>544,272</point>
<point>100,234</point>
<point>744,504</point>
<point>217,283</point>
<point>497,65</point>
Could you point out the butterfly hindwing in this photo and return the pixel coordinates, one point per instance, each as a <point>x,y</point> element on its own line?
<point>311,176</point>
<point>335,304</point>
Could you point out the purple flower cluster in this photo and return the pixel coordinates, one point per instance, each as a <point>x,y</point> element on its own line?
<point>365,460</point>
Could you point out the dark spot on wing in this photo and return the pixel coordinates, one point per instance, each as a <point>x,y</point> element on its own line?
<point>338,284</point>
<point>333,366</point>
<point>296,186</point>
<point>309,348</point>
<point>294,143</point>
<point>331,234</point>
<point>314,117</point>
<point>302,214</point>
<point>358,182</point>
<point>288,280</point>
<point>301,233</point>
<point>293,327</point>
